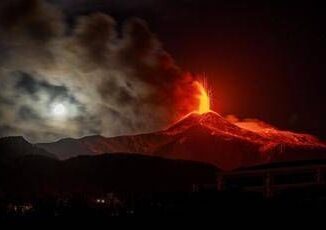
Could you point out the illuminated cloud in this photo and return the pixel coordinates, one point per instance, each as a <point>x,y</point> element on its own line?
<point>109,84</point>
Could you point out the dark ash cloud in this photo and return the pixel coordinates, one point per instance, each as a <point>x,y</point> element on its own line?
<point>27,114</point>
<point>111,80</point>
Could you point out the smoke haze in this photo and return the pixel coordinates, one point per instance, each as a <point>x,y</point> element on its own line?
<point>111,80</point>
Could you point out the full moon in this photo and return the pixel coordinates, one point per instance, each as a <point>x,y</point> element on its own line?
<point>59,110</point>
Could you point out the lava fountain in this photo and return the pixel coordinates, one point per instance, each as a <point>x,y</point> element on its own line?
<point>203,97</point>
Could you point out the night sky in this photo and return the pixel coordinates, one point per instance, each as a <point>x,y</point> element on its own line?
<point>263,61</point>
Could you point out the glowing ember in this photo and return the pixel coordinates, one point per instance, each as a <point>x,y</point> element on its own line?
<point>204,100</point>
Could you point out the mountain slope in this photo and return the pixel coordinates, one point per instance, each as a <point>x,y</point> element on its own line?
<point>67,148</point>
<point>15,147</point>
<point>206,138</point>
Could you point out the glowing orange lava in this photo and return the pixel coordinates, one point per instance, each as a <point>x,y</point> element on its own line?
<point>204,100</point>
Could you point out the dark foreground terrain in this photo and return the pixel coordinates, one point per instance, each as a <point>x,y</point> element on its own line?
<point>34,184</point>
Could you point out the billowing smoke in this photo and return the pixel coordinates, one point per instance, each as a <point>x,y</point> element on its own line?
<point>110,80</point>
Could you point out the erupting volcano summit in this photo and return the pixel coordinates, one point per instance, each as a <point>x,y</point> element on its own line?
<point>204,136</point>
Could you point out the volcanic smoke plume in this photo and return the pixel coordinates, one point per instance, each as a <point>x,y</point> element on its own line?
<point>100,80</point>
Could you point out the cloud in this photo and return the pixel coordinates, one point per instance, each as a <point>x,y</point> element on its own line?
<point>112,80</point>
<point>94,38</point>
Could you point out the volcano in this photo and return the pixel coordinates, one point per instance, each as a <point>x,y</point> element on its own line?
<point>206,137</point>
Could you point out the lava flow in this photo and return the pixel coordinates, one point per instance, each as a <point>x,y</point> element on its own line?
<point>265,131</point>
